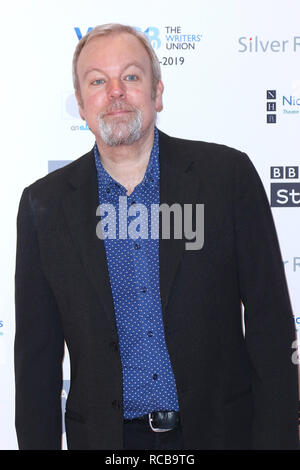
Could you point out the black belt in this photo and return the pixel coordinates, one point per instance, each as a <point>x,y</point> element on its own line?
<point>159,421</point>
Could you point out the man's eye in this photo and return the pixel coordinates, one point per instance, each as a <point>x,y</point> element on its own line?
<point>131,78</point>
<point>99,81</point>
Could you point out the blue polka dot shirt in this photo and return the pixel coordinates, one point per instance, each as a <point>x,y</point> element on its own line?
<point>133,265</point>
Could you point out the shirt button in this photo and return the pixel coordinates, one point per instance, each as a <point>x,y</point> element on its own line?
<point>136,246</point>
<point>150,334</point>
<point>108,190</point>
<point>155,376</point>
<point>144,289</point>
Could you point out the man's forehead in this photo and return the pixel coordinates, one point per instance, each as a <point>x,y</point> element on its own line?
<point>114,45</point>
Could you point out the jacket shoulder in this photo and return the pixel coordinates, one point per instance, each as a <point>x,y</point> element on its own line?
<point>206,154</point>
<point>55,183</point>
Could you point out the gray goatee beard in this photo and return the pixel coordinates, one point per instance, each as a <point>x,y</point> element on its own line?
<point>120,130</point>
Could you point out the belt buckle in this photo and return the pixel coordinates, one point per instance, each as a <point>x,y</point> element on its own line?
<point>156,429</point>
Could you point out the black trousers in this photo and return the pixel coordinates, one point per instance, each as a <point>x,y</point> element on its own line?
<point>139,436</point>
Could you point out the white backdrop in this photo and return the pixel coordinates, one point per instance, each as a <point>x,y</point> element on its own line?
<point>218,61</point>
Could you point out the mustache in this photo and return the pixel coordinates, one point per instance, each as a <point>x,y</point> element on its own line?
<point>117,105</point>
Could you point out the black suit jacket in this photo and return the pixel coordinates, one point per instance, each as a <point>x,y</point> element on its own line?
<point>235,391</point>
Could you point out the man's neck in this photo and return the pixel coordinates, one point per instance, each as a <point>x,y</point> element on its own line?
<point>127,163</point>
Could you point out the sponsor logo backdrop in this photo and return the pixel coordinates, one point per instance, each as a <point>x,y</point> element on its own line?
<point>231,74</point>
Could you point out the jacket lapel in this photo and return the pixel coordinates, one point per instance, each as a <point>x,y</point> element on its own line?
<point>177,185</point>
<point>80,211</point>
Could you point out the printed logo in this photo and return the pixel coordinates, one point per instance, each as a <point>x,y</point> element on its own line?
<point>284,104</point>
<point>69,106</point>
<point>259,45</point>
<point>152,34</point>
<point>56,164</point>
<point>79,33</point>
<point>167,38</point>
<point>70,112</point>
<point>271,106</point>
<point>285,194</point>
<point>292,264</point>
<point>291,100</point>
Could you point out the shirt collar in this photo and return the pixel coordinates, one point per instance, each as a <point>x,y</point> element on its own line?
<point>151,174</point>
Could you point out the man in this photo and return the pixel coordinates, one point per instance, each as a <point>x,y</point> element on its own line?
<point>154,330</point>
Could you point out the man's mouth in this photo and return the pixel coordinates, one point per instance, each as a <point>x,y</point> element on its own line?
<point>118,112</point>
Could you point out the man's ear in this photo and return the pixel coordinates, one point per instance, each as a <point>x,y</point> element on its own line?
<point>158,96</point>
<point>80,104</point>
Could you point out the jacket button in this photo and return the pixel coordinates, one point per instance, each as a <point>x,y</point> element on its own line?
<point>114,346</point>
<point>116,404</point>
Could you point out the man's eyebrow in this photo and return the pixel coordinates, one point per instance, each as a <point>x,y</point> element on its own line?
<point>136,64</point>
<point>91,69</point>
<point>96,69</point>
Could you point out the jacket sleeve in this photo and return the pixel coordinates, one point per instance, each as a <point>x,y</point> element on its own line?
<point>39,343</point>
<point>269,323</point>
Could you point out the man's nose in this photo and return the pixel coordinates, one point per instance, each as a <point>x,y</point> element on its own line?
<point>116,89</point>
